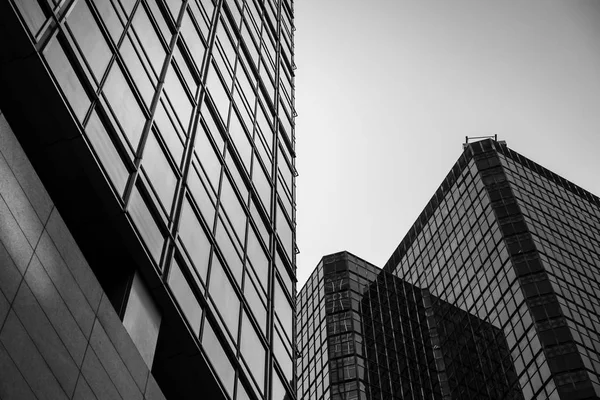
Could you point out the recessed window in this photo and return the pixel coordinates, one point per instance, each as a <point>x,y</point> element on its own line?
<point>67,78</point>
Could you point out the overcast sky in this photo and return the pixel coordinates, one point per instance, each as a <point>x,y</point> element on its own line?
<point>387,90</point>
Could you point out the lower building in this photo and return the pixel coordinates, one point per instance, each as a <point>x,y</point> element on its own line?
<point>366,334</point>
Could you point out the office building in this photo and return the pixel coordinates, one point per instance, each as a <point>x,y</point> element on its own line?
<point>492,294</point>
<point>364,333</point>
<point>148,199</point>
<point>518,246</point>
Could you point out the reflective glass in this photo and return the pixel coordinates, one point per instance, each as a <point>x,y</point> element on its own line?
<point>218,358</point>
<point>258,258</point>
<point>148,37</point>
<point>185,296</point>
<point>168,132</point>
<point>224,297</point>
<point>89,38</point>
<point>108,154</point>
<point>194,239</point>
<point>146,224</point>
<point>229,252</point>
<point>67,78</point>
<point>143,83</point>
<point>110,18</point>
<point>159,171</point>
<point>124,105</point>
<point>178,97</point>
<point>32,14</point>
<point>256,304</point>
<point>233,208</point>
<point>200,194</point>
<point>253,351</point>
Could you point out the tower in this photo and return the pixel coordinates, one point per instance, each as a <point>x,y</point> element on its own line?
<point>161,134</point>
<point>518,246</point>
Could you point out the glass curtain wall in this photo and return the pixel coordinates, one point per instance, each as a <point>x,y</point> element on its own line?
<point>188,107</point>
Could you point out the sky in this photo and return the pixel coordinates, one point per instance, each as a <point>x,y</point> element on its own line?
<point>387,90</point>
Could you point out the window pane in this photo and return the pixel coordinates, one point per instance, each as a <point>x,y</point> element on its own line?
<point>253,352</point>
<point>194,239</point>
<point>168,133</point>
<point>110,18</point>
<point>240,139</point>
<point>283,309</point>
<point>178,97</point>
<point>146,224</point>
<point>192,40</point>
<point>67,78</point>
<point>234,210</point>
<point>208,159</point>
<point>124,105</point>
<point>107,153</point>
<point>89,38</point>
<point>32,14</point>
<point>279,392</point>
<point>229,253</point>
<point>218,93</point>
<point>283,356</point>
<point>284,230</point>
<point>224,297</point>
<point>149,39</point>
<point>258,258</point>
<point>218,358</point>
<point>256,305</point>
<point>185,296</point>
<point>159,171</point>
<point>137,71</point>
<point>262,185</point>
<point>203,199</point>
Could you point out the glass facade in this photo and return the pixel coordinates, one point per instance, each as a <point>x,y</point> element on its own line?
<point>187,108</point>
<point>492,294</point>
<point>331,360</point>
<point>366,334</point>
<point>516,245</point>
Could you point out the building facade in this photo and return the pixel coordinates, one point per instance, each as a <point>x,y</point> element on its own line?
<point>162,133</point>
<point>331,361</point>
<point>516,245</point>
<point>366,334</point>
<point>492,294</point>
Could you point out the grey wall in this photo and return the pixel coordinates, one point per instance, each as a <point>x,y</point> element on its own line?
<point>60,337</point>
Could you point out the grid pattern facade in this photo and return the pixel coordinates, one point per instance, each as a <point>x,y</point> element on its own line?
<point>472,247</point>
<point>331,362</point>
<point>366,334</point>
<point>188,108</point>
<point>420,347</point>
<point>565,228</point>
<point>398,345</point>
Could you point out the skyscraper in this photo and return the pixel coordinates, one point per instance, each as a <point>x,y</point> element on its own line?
<point>364,333</point>
<point>518,246</point>
<point>492,294</point>
<point>161,132</point>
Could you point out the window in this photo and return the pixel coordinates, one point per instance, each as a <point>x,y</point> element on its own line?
<point>89,38</point>
<point>224,297</point>
<point>67,78</point>
<point>194,239</point>
<point>218,358</point>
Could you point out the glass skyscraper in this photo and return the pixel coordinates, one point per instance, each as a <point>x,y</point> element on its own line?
<point>492,294</point>
<point>163,131</point>
<point>518,246</point>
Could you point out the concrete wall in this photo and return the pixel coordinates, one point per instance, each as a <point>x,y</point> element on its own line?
<point>60,337</point>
